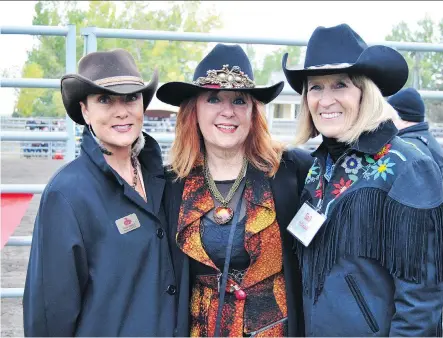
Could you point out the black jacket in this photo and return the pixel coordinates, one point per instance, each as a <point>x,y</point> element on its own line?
<point>286,188</point>
<point>420,135</point>
<point>374,268</point>
<point>85,278</point>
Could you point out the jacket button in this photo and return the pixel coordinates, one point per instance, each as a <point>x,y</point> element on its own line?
<point>171,289</point>
<point>160,233</point>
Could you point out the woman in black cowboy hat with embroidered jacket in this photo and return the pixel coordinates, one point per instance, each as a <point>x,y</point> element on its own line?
<point>232,191</point>
<point>375,266</point>
<point>100,262</point>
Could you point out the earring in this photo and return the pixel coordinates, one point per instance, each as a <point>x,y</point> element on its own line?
<point>100,145</point>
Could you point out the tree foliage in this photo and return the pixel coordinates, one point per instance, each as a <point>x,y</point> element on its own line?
<point>427,65</point>
<point>30,97</point>
<point>173,59</point>
<point>271,62</point>
<point>176,60</point>
<point>430,64</point>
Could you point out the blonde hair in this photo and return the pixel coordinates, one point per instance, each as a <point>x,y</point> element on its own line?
<point>374,110</point>
<point>188,146</point>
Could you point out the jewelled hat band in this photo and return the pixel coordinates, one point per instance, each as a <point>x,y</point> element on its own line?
<point>225,78</point>
<point>118,80</point>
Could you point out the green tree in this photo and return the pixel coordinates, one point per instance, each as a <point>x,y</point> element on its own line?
<point>271,62</point>
<point>30,97</point>
<point>430,63</point>
<point>427,65</point>
<point>173,59</point>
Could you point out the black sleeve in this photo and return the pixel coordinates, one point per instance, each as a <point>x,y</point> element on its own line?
<point>172,200</point>
<point>303,162</point>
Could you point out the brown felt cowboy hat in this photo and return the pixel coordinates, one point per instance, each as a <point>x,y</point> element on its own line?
<point>113,72</point>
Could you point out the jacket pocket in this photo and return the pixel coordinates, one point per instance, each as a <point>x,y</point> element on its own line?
<point>276,329</point>
<point>361,302</point>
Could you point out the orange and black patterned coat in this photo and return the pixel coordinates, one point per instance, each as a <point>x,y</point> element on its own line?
<point>272,282</point>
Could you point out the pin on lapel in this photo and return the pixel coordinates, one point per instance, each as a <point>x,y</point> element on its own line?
<point>127,223</point>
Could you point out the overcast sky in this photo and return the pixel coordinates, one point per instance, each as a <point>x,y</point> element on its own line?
<point>284,19</point>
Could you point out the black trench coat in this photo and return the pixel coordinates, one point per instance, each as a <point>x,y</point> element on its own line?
<point>84,277</point>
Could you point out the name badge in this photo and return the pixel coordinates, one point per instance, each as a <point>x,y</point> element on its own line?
<point>306,223</point>
<point>127,223</point>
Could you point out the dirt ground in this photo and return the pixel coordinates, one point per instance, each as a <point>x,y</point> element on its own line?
<point>14,260</point>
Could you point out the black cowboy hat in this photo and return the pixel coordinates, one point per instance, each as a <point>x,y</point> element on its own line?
<point>226,67</point>
<point>112,72</point>
<point>340,49</point>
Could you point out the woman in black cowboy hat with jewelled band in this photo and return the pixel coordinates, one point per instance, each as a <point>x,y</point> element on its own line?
<point>232,192</point>
<point>100,261</point>
<point>375,265</point>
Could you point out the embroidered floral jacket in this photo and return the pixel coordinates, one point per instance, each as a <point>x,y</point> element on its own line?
<point>375,268</point>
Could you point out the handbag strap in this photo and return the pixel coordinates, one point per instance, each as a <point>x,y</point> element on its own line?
<point>224,277</point>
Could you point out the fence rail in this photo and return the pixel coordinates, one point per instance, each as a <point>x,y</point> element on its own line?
<point>19,241</point>
<point>33,136</point>
<point>425,94</point>
<point>95,32</point>
<point>30,83</point>
<point>12,292</point>
<point>36,30</point>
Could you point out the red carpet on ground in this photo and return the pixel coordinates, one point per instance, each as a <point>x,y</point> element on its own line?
<point>13,209</point>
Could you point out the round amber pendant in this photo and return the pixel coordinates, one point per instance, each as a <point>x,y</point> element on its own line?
<point>223,215</point>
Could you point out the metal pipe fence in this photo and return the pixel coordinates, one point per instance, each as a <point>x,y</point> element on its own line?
<point>12,292</point>
<point>70,33</point>
<point>92,33</point>
<point>68,136</point>
<point>425,94</point>
<point>19,241</point>
<point>30,83</point>
<point>32,123</point>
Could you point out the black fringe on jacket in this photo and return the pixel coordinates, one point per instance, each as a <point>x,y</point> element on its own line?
<point>390,232</point>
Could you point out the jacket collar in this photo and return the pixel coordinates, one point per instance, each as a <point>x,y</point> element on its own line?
<point>197,201</point>
<point>150,156</point>
<point>421,126</point>
<point>368,142</point>
<point>90,147</point>
<point>152,170</point>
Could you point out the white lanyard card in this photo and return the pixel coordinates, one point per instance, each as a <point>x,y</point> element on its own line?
<point>306,223</point>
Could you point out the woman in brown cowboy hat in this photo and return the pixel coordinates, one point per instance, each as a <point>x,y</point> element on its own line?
<point>231,195</point>
<point>100,262</point>
<point>371,233</point>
